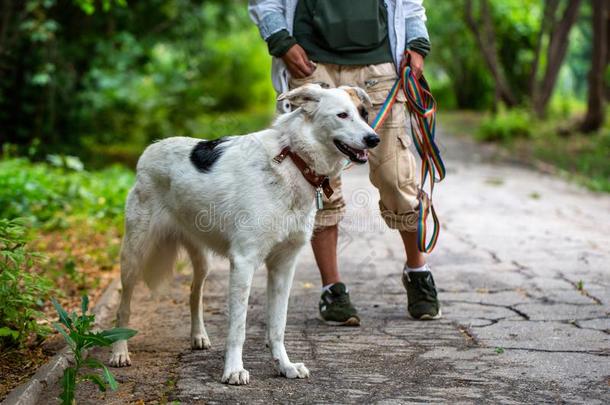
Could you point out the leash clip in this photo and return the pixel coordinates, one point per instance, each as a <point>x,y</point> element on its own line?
<point>319,202</point>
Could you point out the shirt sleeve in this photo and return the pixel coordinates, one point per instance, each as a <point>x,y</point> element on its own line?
<point>414,8</point>
<point>280,42</point>
<point>417,37</point>
<point>420,45</point>
<point>268,15</point>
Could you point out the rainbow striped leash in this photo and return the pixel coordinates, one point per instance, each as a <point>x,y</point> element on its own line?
<point>422,115</point>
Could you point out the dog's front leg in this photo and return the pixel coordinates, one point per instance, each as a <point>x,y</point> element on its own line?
<point>240,280</point>
<point>281,265</point>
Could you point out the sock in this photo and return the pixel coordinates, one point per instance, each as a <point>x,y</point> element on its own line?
<point>327,287</point>
<point>408,269</point>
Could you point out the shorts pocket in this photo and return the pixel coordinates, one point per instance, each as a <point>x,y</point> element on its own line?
<point>392,172</point>
<point>378,90</point>
<point>406,166</point>
<point>315,78</point>
<point>378,82</point>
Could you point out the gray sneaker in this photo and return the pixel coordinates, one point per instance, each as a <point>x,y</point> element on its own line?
<point>335,307</point>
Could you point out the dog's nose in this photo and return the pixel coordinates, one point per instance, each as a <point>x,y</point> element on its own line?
<point>371,140</point>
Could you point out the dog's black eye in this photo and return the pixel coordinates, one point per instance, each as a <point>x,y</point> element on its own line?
<point>364,114</point>
<point>343,115</point>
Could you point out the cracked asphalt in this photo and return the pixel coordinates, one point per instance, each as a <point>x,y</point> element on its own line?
<point>523,271</point>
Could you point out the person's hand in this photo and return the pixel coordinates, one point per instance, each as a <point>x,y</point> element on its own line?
<point>298,63</point>
<point>415,60</point>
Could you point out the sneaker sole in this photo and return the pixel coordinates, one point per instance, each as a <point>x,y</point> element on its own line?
<point>353,321</point>
<point>427,317</point>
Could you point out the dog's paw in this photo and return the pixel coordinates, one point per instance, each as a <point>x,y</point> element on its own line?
<point>239,377</point>
<point>295,370</point>
<point>200,342</point>
<point>120,359</point>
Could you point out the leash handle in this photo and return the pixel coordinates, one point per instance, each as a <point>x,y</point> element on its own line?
<point>422,115</point>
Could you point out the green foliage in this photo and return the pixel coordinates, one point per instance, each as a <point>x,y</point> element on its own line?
<point>455,68</point>
<point>77,331</point>
<point>517,24</point>
<point>22,292</point>
<point>580,157</point>
<point>563,105</point>
<point>48,193</point>
<point>89,6</point>
<point>505,126</point>
<point>456,62</point>
<point>105,75</point>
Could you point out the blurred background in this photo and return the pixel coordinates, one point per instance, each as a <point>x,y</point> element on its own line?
<point>85,85</point>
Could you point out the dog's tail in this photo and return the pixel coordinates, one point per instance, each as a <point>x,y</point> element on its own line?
<point>160,261</point>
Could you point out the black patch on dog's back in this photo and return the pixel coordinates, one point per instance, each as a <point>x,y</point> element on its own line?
<point>205,153</point>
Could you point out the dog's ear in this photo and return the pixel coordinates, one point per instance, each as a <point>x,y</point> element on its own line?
<point>358,95</point>
<point>307,97</point>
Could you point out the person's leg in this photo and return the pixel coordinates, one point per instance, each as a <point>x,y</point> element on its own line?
<point>393,171</point>
<point>335,306</point>
<point>415,258</point>
<point>324,245</point>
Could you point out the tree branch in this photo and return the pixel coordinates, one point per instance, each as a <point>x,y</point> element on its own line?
<point>558,47</point>
<point>548,20</point>
<point>484,34</point>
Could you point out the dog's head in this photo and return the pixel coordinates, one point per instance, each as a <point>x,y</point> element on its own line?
<point>339,118</point>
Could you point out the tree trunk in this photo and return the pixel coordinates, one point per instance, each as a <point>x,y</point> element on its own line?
<point>548,21</point>
<point>558,47</point>
<point>595,108</point>
<point>485,36</point>
<point>608,53</point>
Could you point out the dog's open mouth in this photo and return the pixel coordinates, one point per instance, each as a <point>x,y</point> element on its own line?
<point>355,155</point>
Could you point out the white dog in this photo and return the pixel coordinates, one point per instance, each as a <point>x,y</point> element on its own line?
<point>250,198</point>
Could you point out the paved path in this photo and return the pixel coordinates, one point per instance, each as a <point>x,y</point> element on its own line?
<point>518,326</point>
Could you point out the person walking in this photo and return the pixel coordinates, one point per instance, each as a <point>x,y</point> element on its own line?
<point>361,43</point>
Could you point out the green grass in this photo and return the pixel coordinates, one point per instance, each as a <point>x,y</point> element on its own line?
<point>580,157</point>
<point>584,158</point>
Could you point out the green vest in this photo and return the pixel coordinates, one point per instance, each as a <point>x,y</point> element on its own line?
<point>343,32</point>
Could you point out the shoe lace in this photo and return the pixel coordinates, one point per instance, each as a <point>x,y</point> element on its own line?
<point>425,287</point>
<point>340,299</point>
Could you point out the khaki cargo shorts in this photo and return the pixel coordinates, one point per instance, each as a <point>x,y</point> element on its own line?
<point>391,164</point>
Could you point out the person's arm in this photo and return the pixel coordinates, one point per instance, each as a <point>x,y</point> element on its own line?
<point>417,38</point>
<point>268,15</point>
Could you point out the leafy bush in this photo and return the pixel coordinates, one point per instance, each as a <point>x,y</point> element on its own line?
<point>22,293</point>
<point>186,74</point>
<point>106,72</point>
<point>506,126</point>
<point>77,330</point>
<point>49,193</point>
